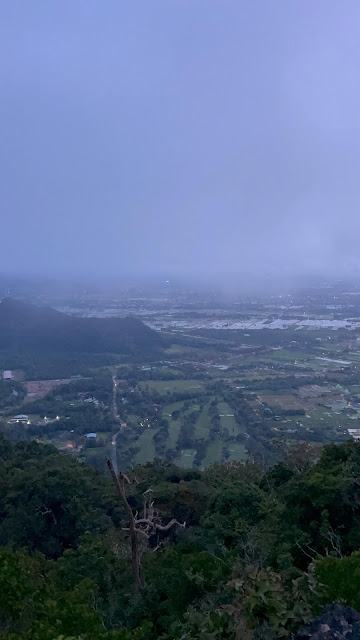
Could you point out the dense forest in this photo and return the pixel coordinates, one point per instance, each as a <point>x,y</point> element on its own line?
<point>236,551</point>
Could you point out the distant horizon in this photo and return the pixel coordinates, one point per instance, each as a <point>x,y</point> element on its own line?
<point>225,285</point>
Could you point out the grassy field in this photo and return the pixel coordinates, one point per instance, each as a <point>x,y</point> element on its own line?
<point>174,406</point>
<point>104,436</point>
<point>194,353</point>
<point>353,388</point>
<point>186,458</point>
<point>133,418</point>
<point>284,355</point>
<point>283,401</point>
<point>202,425</point>
<point>227,419</point>
<point>147,449</point>
<point>213,453</point>
<point>334,420</point>
<point>94,451</point>
<point>323,419</point>
<point>249,376</point>
<point>330,346</point>
<point>237,451</point>
<point>174,429</point>
<point>324,365</point>
<point>163,386</point>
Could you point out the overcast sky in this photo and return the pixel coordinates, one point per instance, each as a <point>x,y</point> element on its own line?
<point>179,136</point>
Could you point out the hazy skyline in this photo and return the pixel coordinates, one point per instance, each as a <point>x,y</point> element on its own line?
<point>182,136</point>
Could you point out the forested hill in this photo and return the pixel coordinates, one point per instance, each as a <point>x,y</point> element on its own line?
<point>261,552</point>
<point>28,328</point>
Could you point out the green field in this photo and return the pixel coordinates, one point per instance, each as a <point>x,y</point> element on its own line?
<point>213,453</point>
<point>202,425</point>
<point>249,376</point>
<point>94,451</point>
<point>227,419</point>
<point>314,363</point>
<point>174,406</point>
<point>163,386</point>
<point>330,419</point>
<point>201,432</point>
<point>333,424</point>
<point>174,429</point>
<point>284,355</point>
<point>237,451</point>
<point>330,346</point>
<point>353,388</point>
<point>147,449</point>
<point>104,436</point>
<point>186,458</point>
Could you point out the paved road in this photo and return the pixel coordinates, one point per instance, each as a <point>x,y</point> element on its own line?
<point>115,413</point>
<point>114,451</point>
<point>115,435</point>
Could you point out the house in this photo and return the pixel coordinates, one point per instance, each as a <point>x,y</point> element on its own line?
<point>20,418</point>
<point>91,435</point>
<point>92,400</point>
<point>7,375</point>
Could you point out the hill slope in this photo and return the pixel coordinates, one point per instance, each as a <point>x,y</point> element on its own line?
<point>28,328</point>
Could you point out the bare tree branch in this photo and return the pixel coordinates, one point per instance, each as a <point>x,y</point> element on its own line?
<point>147,526</point>
<point>44,511</point>
<point>119,483</point>
<point>334,539</point>
<point>306,553</point>
<point>172,523</point>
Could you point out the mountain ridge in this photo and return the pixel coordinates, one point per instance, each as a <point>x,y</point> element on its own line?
<point>31,328</point>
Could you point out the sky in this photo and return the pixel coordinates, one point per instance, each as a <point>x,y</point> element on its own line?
<point>187,137</point>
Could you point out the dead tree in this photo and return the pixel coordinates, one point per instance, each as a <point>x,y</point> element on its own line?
<point>119,482</point>
<point>335,541</point>
<point>44,511</point>
<point>147,525</point>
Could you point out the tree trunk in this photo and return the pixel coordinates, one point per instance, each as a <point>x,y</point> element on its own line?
<point>119,482</point>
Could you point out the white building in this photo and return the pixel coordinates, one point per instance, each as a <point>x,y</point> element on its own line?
<point>20,418</point>
<point>7,375</point>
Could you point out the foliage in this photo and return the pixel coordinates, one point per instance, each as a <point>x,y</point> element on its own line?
<point>11,392</point>
<point>261,552</point>
<point>340,579</point>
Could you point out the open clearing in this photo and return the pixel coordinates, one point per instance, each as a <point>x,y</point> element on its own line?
<point>213,453</point>
<point>186,458</point>
<point>174,429</point>
<point>147,449</point>
<point>287,401</point>
<point>174,406</point>
<point>164,386</point>
<point>90,452</point>
<point>227,419</point>
<point>237,452</point>
<point>202,425</point>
